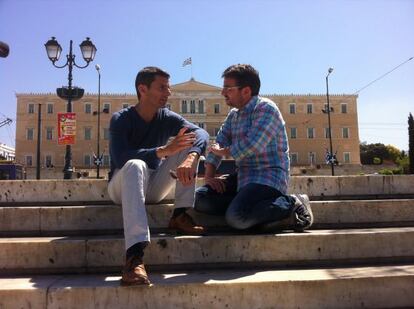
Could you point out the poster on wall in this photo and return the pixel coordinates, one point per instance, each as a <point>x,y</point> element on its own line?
<point>66,128</point>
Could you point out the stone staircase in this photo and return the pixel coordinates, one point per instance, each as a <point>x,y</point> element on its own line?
<point>61,246</point>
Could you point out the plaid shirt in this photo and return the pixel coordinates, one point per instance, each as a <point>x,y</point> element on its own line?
<point>258,143</point>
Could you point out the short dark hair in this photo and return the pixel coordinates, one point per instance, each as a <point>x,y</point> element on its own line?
<point>245,76</point>
<point>147,75</point>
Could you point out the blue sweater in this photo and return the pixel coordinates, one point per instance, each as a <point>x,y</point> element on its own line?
<point>130,137</point>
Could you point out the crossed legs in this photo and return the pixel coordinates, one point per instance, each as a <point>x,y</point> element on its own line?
<point>252,205</point>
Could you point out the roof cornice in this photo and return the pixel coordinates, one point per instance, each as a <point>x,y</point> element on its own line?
<point>134,95</point>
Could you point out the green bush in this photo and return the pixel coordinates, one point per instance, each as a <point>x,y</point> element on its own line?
<point>403,164</point>
<point>385,171</point>
<point>376,160</point>
<point>397,171</point>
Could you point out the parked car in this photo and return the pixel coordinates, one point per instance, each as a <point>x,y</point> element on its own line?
<point>11,171</point>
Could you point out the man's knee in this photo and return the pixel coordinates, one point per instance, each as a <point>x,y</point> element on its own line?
<point>135,165</point>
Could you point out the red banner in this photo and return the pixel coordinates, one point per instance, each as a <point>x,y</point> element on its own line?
<point>66,128</point>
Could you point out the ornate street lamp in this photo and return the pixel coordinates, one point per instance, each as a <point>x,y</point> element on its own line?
<point>70,93</point>
<point>328,110</point>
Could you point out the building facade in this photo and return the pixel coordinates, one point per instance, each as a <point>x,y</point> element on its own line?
<point>306,124</point>
<point>7,153</point>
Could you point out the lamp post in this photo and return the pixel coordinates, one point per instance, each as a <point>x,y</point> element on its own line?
<point>328,111</point>
<point>39,136</point>
<point>54,50</point>
<point>98,157</point>
<point>98,160</point>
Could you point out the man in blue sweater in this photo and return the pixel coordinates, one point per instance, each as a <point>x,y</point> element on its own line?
<point>147,141</point>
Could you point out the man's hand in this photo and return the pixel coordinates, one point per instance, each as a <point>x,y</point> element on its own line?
<point>180,142</point>
<point>210,179</point>
<point>217,150</point>
<point>216,183</point>
<point>186,171</point>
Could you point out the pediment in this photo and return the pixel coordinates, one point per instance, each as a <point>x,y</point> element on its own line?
<point>193,85</point>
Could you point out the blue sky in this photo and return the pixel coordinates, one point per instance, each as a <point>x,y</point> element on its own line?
<point>291,43</point>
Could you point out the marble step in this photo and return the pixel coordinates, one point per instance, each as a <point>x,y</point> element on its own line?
<point>389,286</point>
<point>315,247</point>
<point>95,190</point>
<point>98,219</point>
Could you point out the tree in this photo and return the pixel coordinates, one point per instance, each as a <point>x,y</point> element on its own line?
<point>371,151</point>
<point>377,153</point>
<point>393,153</point>
<point>411,143</point>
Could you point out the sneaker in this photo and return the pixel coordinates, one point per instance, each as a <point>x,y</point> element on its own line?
<point>275,226</point>
<point>134,272</point>
<point>302,213</point>
<point>185,224</point>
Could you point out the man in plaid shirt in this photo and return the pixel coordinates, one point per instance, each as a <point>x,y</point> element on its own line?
<point>254,134</point>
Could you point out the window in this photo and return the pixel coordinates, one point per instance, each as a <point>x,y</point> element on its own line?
<point>125,105</point>
<point>312,158</point>
<point>30,134</point>
<point>200,125</point>
<point>29,160</point>
<point>184,106</point>
<point>327,132</point>
<point>309,108</point>
<point>106,160</point>
<point>30,108</point>
<point>87,160</point>
<point>106,108</point>
<point>88,108</point>
<point>217,108</point>
<point>200,106</point>
<point>48,161</point>
<point>293,133</point>
<point>345,132</point>
<point>294,158</point>
<point>87,133</point>
<point>292,108</point>
<point>192,107</point>
<point>49,134</point>
<point>347,157</point>
<point>50,108</point>
<point>106,134</point>
<point>311,132</point>
<point>344,108</point>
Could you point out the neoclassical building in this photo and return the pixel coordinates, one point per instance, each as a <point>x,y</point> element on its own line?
<point>7,153</point>
<point>306,124</point>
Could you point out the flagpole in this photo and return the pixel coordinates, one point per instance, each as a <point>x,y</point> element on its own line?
<point>191,69</point>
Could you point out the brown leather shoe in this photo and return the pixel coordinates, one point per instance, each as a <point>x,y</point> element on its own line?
<point>134,272</point>
<point>185,224</point>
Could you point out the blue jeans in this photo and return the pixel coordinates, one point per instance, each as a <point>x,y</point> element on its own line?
<point>253,204</point>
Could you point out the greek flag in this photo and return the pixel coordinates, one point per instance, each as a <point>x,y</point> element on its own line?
<point>187,62</point>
